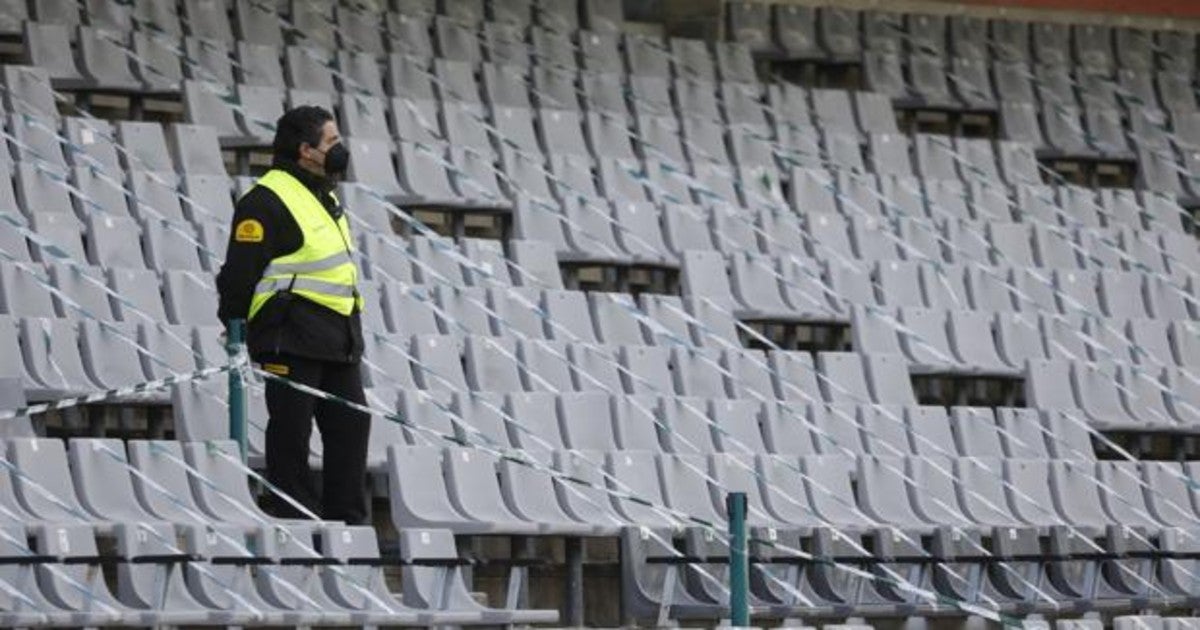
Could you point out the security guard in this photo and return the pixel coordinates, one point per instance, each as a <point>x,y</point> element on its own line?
<point>288,270</point>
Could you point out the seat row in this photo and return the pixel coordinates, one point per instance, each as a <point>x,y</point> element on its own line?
<point>133,296</point>
<point>789,494</point>
<point>192,547</point>
<point>58,358</point>
<point>832,32</point>
<point>799,288</point>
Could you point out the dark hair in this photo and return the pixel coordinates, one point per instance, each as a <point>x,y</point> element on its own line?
<point>298,126</point>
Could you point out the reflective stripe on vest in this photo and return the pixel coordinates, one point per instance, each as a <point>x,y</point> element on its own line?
<point>299,284</point>
<point>279,269</point>
<point>322,269</point>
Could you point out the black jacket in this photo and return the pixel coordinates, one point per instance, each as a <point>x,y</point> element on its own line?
<point>287,324</point>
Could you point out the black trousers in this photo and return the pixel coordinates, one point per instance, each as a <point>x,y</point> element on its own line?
<point>344,433</point>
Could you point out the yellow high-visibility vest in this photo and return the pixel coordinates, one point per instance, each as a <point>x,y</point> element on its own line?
<point>322,270</point>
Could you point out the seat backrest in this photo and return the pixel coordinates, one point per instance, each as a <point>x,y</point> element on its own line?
<point>975,432</point>
<point>843,378</point>
<point>40,484</point>
<point>929,429</point>
<point>586,421</point>
<point>22,293</point>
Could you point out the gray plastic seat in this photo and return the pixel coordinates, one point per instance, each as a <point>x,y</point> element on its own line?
<point>518,310</point>
<point>1077,496</point>
<point>1063,336</point>
<point>742,104</point>
<point>1122,294</point>
<point>225,493</point>
<point>786,429</point>
<point>669,313</point>
<point>874,239</point>
<point>750,25</point>
<point>491,365</point>
<point>586,421</point>
<point>504,41</point>
<point>429,503</point>
<point>594,368</point>
<point>789,107</point>
<point>944,286</point>
<point>842,378</point>
<point>860,195</point>
<point>929,79</point>
<point>570,317</point>
<point>258,64</point>
<point>1184,398</point>
<point>408,310</point>
<point>45,49</point>
<point>698,372</point>
<point>79,288</point>
<point>456,41</point>
<point>795,377</point>
<point>1018,338</point>
<point>685,428</point>
<point>1011,244</point>
<point>703,140</point>
<point>883,430</point>
<point>1144,392</point>
<point>788,506</point>
<point>615,322</point>
<point>646,370</point>
<point>749,374</point>
<point>1044,382</point>
<point>100,471</point>
<point>1173,88</point>
<point>947,200</point>
<point>925,340</point>
<point>1150,342</point>
<point>531,494</point>
<point>1145,252</point>
<point>53,359</point>
<point>981,492</point>
<point>388,362</point>
<point>1021,433</point>
<point>888,378</point>
<point>829,488</point>
<point>440,415</point>
<point>140,295</point>
<point>975,432</point>
<point>585,503</point>
<point>111,356</point>
<point>685,488</point>
<point>531,421</point>
<point>41,487</point>
<point>989,292</point>
<point>637,422</point>
<point>23,293</point>
<point>1029,492</point>
<point>1096,390</point>
<point>648,56</point>
<point>535,264</point>
<point>756,284</point>
<point>438,362</point>
<point>884,493</point>
<point>475,490</point>
<point>883,73</point>
<point>1169,499</point>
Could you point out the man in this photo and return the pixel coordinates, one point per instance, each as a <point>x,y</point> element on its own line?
<point>288,271</point>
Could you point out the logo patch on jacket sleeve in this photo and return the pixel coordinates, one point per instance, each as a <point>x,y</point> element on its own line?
<point>277,369</point>
<point>248,231</point>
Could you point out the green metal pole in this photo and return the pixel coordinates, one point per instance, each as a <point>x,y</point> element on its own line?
<point>237,389</point>
<point>739,565</point>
